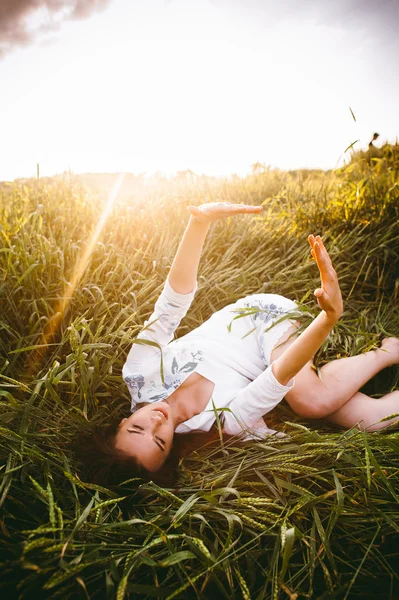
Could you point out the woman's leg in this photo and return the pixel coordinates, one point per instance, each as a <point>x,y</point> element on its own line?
<point>317,396</point>
<point>365,412</point>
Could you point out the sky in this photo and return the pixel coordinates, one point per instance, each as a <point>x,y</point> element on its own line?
<point>208,85</point>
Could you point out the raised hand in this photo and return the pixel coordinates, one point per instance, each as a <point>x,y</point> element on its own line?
<point>329,294</point>
<point>212,211</point>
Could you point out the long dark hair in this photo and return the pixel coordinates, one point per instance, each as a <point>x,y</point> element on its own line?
<point>103,464</point>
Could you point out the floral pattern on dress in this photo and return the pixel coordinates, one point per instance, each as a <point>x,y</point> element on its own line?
<point>266,312</point>
<point>261,348</point>
<point>135,382</point>
<point>170,304</point>
<point>168,323</point>
<point>269,314</point>
<point>178,364</point>
<point>179,374</point>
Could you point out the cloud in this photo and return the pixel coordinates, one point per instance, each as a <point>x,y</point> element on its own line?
<point>376,21</point>
<point>379,21</point>
<point>17,31</point>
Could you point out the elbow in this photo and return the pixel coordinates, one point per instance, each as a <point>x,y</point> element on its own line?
<point>280,372</point>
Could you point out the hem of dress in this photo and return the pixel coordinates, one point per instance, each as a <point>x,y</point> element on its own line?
<point>276,333</point>
<point>176,296</point>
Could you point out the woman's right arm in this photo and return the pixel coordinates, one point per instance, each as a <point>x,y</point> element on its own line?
<point>181,283</point>
<point>158,330</point>
<point>183,272</point>
<point>329,298</point>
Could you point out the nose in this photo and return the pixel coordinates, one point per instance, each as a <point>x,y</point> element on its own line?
<point>156,422</point>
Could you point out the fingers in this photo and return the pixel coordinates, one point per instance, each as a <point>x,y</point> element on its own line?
<point>194,211</point>
<point>325,253</point>
<point>215,210</point>
<point>319,251</point>
<point>244,208</point>
<point>254,209</point>
<point>315,240</point>
<point>197,214</point>
<point>317,254</point>
<point>323,263</point>
<point>318,240</point>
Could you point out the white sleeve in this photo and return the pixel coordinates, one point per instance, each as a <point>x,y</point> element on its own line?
<point>254,401</point>
<point>169,310</point>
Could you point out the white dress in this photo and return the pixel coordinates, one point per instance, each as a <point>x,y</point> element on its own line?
<point>231,350</point>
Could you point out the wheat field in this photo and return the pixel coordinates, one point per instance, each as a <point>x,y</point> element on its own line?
<point>312,515</point>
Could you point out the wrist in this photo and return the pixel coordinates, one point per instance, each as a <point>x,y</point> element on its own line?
<point>198,224</point>
<point>330,317</point>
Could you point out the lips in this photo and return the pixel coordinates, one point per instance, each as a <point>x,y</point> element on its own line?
<point>161,408</point>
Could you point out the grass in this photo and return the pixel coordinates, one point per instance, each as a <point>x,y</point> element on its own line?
<point>313,515</point>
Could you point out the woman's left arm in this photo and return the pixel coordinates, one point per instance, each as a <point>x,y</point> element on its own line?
<point>183,273</point>
<point>329,299</point>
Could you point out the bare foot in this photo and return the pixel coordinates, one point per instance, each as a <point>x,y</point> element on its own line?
<point>390,345</point>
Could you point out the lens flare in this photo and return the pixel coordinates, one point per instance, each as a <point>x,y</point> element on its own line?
<point>61,307</point>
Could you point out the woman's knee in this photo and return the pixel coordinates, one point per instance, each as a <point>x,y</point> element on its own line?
<point>308,402</point>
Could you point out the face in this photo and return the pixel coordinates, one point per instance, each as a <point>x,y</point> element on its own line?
<point>147,434</point>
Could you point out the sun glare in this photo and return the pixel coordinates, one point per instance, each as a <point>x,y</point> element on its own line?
<point>62,306</point>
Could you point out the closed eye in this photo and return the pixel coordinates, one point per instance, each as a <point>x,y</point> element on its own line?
<point>137,429</point>
<point>159,444</point>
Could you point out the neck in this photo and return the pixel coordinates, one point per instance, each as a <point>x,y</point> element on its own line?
<point>190,398</point>
<point>185,405</point>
